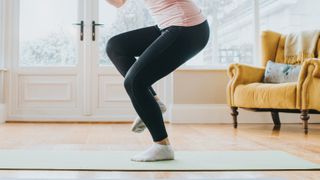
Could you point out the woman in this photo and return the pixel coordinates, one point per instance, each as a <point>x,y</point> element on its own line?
<point>181,32</point>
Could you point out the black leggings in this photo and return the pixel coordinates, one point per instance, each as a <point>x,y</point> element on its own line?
<point>160,52</point>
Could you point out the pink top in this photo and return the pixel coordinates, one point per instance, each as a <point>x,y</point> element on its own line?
<point>175,12</point>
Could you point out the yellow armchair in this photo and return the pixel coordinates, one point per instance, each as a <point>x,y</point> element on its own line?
<point>246,89</point>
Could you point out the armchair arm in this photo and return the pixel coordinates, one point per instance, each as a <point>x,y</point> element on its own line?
<point>242,74</point>
<point>312,66</point>
<point>309,84</point>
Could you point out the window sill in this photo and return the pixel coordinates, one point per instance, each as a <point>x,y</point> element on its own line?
<point>203,68</point>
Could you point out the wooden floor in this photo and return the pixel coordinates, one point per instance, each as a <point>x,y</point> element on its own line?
<point>183,137</point>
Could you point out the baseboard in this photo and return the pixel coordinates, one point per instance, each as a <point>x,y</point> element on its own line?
<point>220,113</point>
<point>3,113</point>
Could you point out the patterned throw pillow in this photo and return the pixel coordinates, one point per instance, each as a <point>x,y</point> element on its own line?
<point>281,73</point>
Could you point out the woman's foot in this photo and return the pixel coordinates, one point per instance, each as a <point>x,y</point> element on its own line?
<point>138,125</point>
<point>157,152</point>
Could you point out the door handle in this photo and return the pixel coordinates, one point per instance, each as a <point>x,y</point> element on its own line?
<point>94,24</point>
<point>81,24</point>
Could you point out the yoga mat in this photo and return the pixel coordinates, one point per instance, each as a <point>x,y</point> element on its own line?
<point>120,161</point>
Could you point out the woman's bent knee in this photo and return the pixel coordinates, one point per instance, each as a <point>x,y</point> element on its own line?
<point>113,47</point>
<point>132,84</point>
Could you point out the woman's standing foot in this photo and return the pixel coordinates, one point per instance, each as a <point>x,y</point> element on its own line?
<point>159,151</point>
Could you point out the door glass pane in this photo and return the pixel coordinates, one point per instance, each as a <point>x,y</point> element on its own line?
<point>132,15</point>
<point>47,36</point>
<point>289,16</point>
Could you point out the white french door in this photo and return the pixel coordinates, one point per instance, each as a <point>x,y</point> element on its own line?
<point>58,67</point>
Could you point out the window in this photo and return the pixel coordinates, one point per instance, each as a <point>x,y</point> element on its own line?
<point>233,27</point>
<point>47,35</point>
<point>231,40</point>
<point>290,15</point>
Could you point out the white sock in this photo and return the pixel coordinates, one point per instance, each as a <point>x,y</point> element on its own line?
<point>162,106</point>
<point>138,125</point>
<point>156,152</point>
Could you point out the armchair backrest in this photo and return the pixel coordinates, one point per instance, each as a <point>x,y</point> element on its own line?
<point>272,47</point>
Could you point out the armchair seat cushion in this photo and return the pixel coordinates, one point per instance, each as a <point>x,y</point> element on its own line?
<point>265,95</point>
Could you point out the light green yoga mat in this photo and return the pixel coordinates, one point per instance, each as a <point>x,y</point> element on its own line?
<point>120,161</point>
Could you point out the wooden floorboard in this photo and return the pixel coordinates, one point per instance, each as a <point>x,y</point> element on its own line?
<point>92,136</point>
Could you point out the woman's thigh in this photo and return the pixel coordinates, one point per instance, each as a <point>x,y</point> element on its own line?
<point>133,43</point>
<point>169,51</point>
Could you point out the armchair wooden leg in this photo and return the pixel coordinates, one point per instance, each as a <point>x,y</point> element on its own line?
<point>276,119</point>
<point>234,114</point>
<point>305,117</point>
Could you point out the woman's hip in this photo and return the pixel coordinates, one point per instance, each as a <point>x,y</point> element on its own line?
<point>191,36</point>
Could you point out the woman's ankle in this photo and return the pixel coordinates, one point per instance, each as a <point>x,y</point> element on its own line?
<point>163,142</point>
<point>156,98</point>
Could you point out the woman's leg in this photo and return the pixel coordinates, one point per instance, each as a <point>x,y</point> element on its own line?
<point>173,48</point>
<point>123,48</point>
